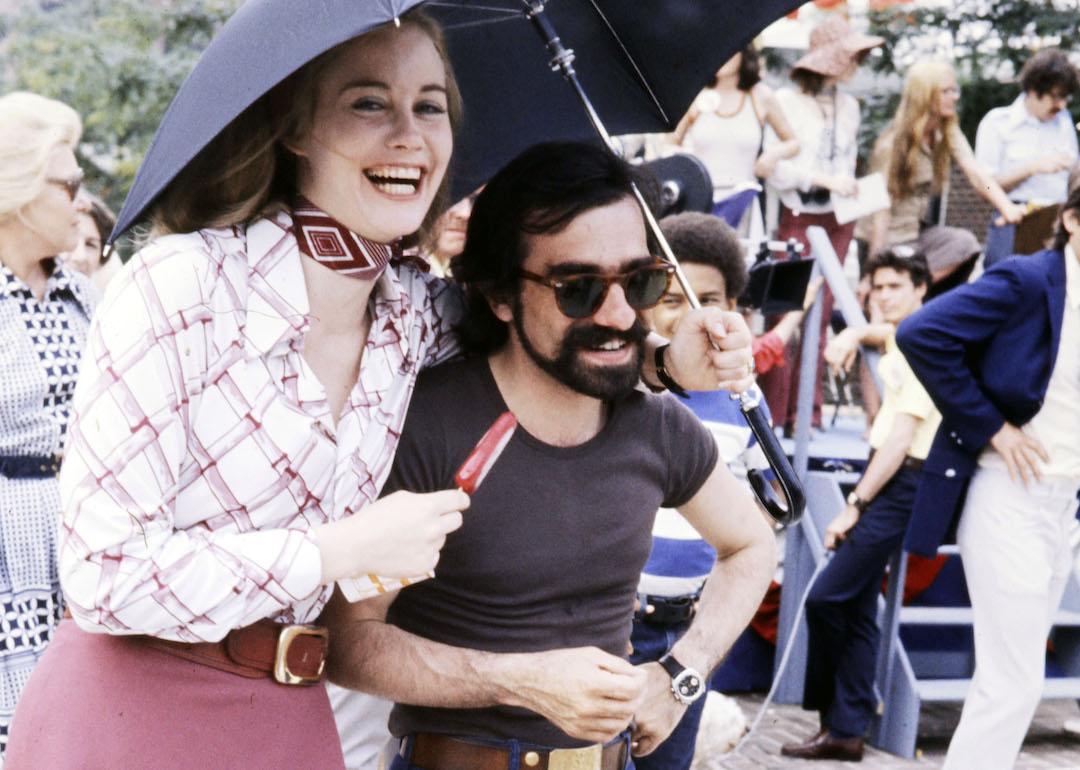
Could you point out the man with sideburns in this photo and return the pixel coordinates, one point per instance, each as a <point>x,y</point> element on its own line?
<point>514,654</point>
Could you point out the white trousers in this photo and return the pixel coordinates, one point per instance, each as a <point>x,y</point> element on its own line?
<point>361,722</point>
<point>1015,545</point>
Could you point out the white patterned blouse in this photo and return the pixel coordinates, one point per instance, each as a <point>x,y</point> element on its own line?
<point>202,450</point>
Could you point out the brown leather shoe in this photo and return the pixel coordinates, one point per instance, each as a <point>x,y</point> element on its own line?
<point>826,746</point>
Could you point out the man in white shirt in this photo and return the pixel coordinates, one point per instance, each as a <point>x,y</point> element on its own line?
<point>1030,145</point>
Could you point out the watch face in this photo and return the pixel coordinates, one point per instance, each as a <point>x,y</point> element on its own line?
<point>687,686</point>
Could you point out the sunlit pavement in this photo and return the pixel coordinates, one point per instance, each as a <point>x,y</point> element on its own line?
<point>1047,746</point>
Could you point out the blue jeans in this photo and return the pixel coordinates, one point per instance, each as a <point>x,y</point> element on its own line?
<point>516,749</point>
<point>651,643</point>
<point>999,241</point>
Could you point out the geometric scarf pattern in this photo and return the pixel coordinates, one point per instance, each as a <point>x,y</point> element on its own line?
<point>331,243</point>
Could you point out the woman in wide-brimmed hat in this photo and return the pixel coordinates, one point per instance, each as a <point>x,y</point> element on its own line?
<point>826,123</point>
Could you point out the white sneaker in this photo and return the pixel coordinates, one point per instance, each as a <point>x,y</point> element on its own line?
<point>1072,727</point>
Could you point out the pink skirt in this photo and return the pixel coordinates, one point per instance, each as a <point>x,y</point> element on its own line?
<point>99,701</point>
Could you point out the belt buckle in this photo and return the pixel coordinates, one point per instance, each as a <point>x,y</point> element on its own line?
<point>587,758</point>
<point>288,634</point>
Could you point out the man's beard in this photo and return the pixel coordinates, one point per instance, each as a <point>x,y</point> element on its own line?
<point>603,382</point>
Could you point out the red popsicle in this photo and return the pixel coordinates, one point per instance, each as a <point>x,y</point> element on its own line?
<point>486,452</point>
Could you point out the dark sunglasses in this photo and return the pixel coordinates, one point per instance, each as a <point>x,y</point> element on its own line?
<point>581,295</point>
<point>71,185</point>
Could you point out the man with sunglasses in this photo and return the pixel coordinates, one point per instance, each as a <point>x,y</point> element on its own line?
<point>514,654</point>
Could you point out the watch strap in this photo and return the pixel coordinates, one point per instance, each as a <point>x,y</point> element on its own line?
<point>671,665</point>
<point>857,502</point>
<point>662,373</point>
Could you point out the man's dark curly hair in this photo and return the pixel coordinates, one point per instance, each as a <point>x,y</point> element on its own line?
<point>914,264</point>
<point>1049,70</point>
<point>540,192</point>
<point>707,240</point>
<point>1072,203</point>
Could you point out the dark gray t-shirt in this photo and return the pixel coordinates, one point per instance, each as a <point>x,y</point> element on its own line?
<point>553,544</point>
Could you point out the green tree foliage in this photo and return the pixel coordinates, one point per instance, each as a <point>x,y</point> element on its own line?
<point>117,62</point>
<point>988,42</point>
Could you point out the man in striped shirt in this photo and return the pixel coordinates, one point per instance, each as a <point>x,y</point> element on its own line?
<point>680,561</point>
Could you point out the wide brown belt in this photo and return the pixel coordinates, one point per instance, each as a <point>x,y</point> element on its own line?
<point>290,654</point>
<point>443,752</point>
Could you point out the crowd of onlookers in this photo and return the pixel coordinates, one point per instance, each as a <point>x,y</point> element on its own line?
<point>798,145</point>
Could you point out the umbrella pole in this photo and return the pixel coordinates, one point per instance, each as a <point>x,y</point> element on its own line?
<point>562,61</point>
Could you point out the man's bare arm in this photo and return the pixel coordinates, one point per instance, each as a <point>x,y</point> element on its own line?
<point>584,691</point>
<point>879,471</point>
<point>728,519</point>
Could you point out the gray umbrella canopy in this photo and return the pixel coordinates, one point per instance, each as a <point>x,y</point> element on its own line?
<point>641,63</point>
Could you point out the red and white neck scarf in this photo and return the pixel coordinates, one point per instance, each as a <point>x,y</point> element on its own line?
<point>334,245</point>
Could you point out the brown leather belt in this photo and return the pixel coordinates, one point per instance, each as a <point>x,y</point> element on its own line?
<point>289,654</point>
<point>443,752</point>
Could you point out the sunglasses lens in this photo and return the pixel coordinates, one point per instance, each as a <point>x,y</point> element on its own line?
<point>580,297</point>
<point>646,286</point>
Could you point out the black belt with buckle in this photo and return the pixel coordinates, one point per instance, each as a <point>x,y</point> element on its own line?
<point>910,463</point>
<point>29,466</point>
<point>667,610</point>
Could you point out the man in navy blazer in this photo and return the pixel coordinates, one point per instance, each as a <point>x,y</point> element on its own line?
<point>1001,359</point>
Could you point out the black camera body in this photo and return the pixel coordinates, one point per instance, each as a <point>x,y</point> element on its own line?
<point>818,196</point>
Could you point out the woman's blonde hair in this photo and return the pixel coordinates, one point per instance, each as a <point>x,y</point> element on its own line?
<point>246,171</point>
<point>917,110</point>
<point>31,127</point>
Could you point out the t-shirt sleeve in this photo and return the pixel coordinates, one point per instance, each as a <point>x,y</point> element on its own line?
<point>691,452</point>
<point>420,464</point>
<point>912,397</point>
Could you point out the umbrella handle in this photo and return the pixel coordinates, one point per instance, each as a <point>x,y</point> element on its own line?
<point>789,510</point>
<point>562,61</point>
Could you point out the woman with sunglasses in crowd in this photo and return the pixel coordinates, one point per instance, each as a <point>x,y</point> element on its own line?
<point>247,380</point>
<point>44,316</point>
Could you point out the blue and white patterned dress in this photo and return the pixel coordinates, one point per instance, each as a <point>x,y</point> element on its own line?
<point>41,342</point>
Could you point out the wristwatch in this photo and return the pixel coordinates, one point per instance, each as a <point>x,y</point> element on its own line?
<point>857,502</point>
<point>687,685</point>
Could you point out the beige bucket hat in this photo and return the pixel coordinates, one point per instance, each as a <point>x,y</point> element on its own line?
<point>833,45</point>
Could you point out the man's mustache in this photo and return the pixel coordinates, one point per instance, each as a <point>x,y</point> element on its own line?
<point>594,335</point>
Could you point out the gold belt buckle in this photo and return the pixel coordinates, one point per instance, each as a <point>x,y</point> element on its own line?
<point>587,758</point>
<point>288,634</point>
